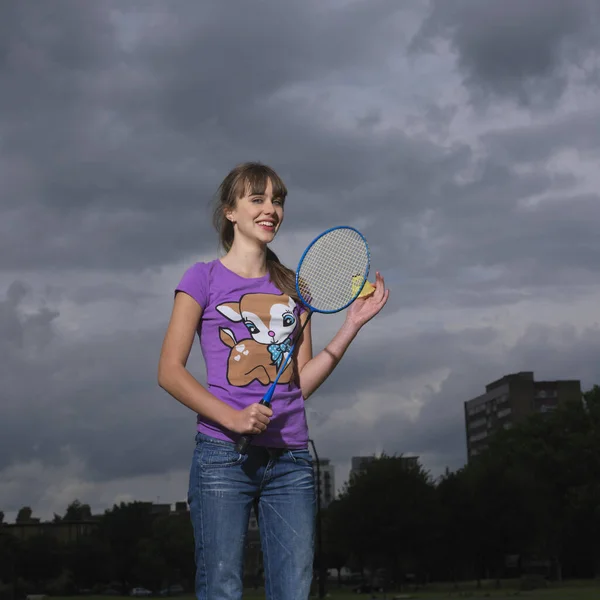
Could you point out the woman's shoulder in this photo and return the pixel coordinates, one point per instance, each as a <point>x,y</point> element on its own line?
<point>201,268</point>
<point>196,279</point>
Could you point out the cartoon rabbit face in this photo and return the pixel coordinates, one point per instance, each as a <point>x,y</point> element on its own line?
<point>267,318</point>
<point>270,320</point>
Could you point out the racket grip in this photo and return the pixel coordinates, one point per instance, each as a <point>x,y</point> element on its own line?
<point>242,444</point>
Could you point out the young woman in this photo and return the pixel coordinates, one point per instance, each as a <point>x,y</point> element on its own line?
<point>244,309</point>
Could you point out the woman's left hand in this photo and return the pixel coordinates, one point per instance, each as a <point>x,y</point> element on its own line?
<point>362,310</point>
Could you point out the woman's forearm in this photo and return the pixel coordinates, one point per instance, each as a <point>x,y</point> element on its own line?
<point>318,368</point>
<point>183,386</point>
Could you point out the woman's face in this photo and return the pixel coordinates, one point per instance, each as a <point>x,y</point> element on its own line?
<point>257,216</point>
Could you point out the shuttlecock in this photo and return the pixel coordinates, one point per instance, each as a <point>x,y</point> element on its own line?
<point>367,289</point>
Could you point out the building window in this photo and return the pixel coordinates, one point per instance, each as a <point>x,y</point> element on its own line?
<point>477,423</point>
<point>478,436</point>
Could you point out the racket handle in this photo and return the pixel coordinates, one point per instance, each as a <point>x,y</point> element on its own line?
<point>243,443</point>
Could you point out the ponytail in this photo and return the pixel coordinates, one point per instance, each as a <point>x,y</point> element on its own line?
<point>281,277</point>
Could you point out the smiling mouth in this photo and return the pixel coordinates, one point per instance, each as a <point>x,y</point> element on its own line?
<point>268,225</point>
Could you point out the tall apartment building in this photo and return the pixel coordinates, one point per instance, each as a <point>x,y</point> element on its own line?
<point>327,481</point>
<point>359,464</point>
<point>510,400</point>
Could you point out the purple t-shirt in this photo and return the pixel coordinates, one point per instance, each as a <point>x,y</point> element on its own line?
<point>245,334</point>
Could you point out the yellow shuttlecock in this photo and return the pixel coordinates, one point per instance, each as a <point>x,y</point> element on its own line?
<point>367,289</point>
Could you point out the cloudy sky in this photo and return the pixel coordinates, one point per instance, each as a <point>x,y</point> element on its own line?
<point>461,137</point>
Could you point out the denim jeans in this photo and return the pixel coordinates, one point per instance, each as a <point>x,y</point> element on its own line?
<point>222,489</point>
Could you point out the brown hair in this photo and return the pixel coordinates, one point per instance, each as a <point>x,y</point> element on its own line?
<point>252,177</point>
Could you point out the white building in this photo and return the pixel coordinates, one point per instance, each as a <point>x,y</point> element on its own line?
<point>327,481</point>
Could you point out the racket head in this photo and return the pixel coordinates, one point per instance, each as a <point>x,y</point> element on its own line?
<point>333,269</point>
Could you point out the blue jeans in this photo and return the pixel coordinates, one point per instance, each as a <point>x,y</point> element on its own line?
<point>223,487</point>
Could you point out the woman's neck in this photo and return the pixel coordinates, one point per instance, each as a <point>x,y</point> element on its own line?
<point>248,260</point>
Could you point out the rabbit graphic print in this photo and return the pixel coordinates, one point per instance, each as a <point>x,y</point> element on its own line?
<point>246,332</point>
<point>271,321</point>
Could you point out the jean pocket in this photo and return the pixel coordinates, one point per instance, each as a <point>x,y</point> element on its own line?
<point>213,456</point>
<point>301,457</point>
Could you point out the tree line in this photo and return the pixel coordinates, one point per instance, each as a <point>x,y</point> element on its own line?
<point>530,502</point>
<point>127,546</point>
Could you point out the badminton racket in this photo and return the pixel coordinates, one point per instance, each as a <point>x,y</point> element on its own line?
<point>330,276</point>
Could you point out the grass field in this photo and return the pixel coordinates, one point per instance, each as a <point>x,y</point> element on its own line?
<point>568,591</point>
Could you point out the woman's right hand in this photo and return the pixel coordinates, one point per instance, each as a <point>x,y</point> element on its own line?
<point>251,420</point>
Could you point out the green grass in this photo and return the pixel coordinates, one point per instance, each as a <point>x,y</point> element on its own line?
<point>569,591</point>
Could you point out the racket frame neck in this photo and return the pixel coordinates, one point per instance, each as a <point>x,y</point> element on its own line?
<point>266,400</point>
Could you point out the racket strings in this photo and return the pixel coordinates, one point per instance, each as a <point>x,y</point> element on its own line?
<point>331,269</point>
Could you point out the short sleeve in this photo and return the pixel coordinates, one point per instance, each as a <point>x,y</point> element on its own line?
<point>195,283</point>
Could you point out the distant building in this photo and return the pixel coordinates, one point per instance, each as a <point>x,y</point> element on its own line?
<point>156,508</point>
<point>360,463</point>
<point>70,530</point>
<point>26,526</point>
<point>509,400</point>
<point>327,481</point>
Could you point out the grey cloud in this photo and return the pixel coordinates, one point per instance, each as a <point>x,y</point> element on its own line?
<point>519,50</point>
<point>540,142</point>
<point>107,291</point>
<point>52,55</point>
<point>437,435</point>
<point>111,153</point>
<point>20,332</point>
<point>215,77</point>
<point>551,352</point>
<point>98,397</point>
<point>552,244</point>
<point>145,133</point>
<point>397,357</point>
<point>481,224</point>
<point>11,328</point>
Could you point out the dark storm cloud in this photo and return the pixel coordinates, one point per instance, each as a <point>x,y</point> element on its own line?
<point>437,435</point>
<point>97,396</point>
<point>537,143</point>
<point>22,333</point>
<point>145,132</point>
<point>268,45</point>
<point>116,150</point>
<point>550,244</point>
<point>551,352</point>
<point>484,224</point>
<point>515,49</point>
<point>119,119</point>
<point>26,380</point>
<point>88,294</point>
<point>404,356</point>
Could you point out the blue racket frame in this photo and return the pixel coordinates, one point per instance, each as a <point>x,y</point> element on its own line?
<point>244,441</point>
<point>365,274</point>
